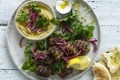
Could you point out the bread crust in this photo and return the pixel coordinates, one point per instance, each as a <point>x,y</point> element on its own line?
<point>101,72</point>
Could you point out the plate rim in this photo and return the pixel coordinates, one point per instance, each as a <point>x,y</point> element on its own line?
<point>74,77</point>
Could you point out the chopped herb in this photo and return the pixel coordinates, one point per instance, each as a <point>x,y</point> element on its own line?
<point>88,31</point>
<point>41,45</point>
<point>32,4</point>
<point>58,66</point>
<point>73,22</point>
<point>32,68</point>
<point>55,21</point>
<point>28,48</point>
<point>26,65</point>
<point>22,17</point>
<point>36,9</point>
<point>42,21</point>
<point>29,62</point>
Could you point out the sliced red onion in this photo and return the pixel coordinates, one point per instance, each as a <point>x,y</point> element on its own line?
<point>93,41</point>
<point>85,38</point>
<point>68,28</point>
<point>62,44</point>
<point>40,55</point>
<point>62,41</point>
<point>65,59</point>
<point>35,49</point>
<point>95,46</point>
<point>34,30</point>
<point>63,30</point>
<point>28,24</point>
<point>30,14</point>
<point>20,42</point>
<point>75,55</point>
<point>66,53</point>
<point>55,41</point>
<point>33,17</point>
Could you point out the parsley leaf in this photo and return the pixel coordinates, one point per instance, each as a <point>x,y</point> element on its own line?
<point>41,45</point>
<point>32,4</point>
<point>42,21</point>
<point>36,9</point>
<point>58,66</point>
<point>76,25</point>
<point>22,17</point>
<point>88,31</point>
<point>29,61</point>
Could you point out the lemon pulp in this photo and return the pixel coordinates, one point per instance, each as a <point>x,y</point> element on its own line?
<point>79,63</point>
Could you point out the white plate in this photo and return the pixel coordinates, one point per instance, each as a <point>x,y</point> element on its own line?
<point>17,53</point>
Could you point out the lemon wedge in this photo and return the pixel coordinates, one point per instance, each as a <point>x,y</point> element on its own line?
<point>79,63</point>
<point>74,62</point>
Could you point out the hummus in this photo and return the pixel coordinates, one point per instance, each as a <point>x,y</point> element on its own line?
<point>40,33</point>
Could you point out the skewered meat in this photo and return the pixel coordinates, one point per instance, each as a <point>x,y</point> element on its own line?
<point>82,45</point>
<point>44,71</point>
<point>55,52</point>
<point>66,72</point>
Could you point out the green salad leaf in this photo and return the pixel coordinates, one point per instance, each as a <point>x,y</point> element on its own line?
<point>76,25</point>
<point>88,31</point>
<point>42,21</point>
<point>58,66</point>
<point>41,45</point>
<point>36,9</point>
<point>55,21</point>
<point>27,51</point>
<point>25,66</point>
<point>22,17</point>
<point>79,30</point>
<point>28,48</point>
<point>29,61</point>
<point>32,4</point>
<point>32,68</point>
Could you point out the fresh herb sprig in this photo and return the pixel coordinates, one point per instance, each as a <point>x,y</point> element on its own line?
<point>41,45</point>
<point>34,7</point>
<point>22,17</point>
<point>58,66</point>
<point>72,21</point>
<point>29,61</point>
<point>42,21</point>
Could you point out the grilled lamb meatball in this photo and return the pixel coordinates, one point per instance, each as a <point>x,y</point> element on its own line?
<point>51,42</point>
<point>72,49</point>
<point>82,45</point>
<point>59,39</point>
<point>46,61</point>
<point>66,72</point>
<point>43,71</point>
<point>55,52</point>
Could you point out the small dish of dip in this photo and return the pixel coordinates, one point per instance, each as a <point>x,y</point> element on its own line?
<point>33,20</point>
